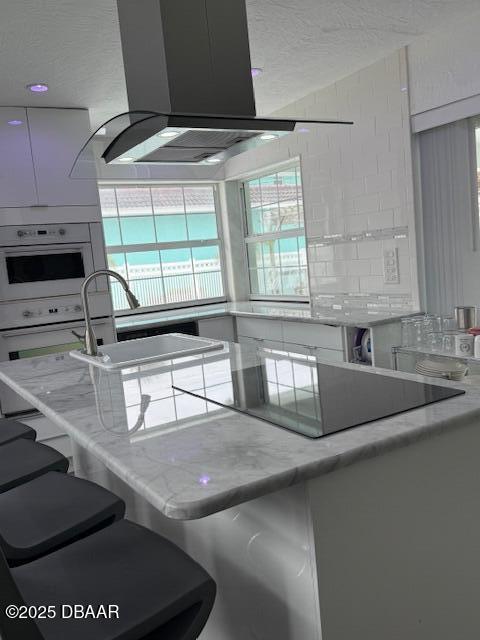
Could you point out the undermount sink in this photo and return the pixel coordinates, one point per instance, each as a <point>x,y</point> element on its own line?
<point>143,350</point>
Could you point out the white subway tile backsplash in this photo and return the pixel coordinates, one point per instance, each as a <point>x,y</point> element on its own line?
<point>379,183</point>
<point>357,184</point>
<point>376,267</point>
<point>345,252</point>
<point>354,188</point>
<point>358,267</point>
<point>366,203</point>
<point>357,223</point>
<point>337,268</point>
<point>371,283</point>
<point>369,250</point>
<point>382,219</point>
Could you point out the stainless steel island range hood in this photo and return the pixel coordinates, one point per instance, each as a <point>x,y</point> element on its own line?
<point>189,85</point>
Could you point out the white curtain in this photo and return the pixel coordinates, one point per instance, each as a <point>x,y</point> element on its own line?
<point>450,217</point>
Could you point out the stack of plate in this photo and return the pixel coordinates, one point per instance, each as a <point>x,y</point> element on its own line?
<point>448,369</point>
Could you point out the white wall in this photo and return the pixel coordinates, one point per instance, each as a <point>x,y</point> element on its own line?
<point>357,180</point>
<point>443,74</point>
<point>443,65</point>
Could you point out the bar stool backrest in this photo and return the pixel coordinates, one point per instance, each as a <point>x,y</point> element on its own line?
<point>13,629</point>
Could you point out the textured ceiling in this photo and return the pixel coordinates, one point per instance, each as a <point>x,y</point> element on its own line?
<point>74,46</point>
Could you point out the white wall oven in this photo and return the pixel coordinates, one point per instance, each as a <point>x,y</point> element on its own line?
<point>42,268</point>
<point>39,262</point>
<point>53,341</point>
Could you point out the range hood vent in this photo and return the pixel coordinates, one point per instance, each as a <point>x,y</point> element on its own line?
<point>189,86</point>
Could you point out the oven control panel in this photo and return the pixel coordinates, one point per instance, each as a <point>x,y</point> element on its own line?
<point>36,313</point>
<point>33,234</point>
<point>29,233</point>
<point>51,311</point>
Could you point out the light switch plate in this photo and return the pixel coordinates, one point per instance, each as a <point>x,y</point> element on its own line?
<point>390,266</point>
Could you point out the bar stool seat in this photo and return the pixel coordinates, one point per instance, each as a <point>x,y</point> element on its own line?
<point>161,593</point>
<point>23,460</point>
<point>10,430</point>
<point>51,511</point>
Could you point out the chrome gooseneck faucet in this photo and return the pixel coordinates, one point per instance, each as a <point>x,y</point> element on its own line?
<point>90,339</point>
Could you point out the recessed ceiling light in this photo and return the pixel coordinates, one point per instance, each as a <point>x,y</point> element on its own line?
<point>268,136</point>
<point>15,123</point>
<point>303,130</point>
<point>38,87</point>
<point>256,71</point>
<point>213,160</point>
<point>125,159</point>
<point>169,134</point>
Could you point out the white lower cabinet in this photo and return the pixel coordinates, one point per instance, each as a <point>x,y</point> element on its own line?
<point>313,335</point>
<point>332,355</point>
<point>322,341</point>
<point>221,328</point>
<point>260,328</point>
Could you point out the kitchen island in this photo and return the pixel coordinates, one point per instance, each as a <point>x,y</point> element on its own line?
<point>369,533</point>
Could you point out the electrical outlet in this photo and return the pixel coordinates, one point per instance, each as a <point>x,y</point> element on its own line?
<point>390,267</point>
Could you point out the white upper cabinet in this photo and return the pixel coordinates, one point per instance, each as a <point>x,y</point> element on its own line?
<point>57,135</point>
<point>17,178</point>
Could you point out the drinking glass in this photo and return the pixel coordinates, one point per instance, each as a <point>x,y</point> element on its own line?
<point>407,332</point>
<point>437,323</point>
<point>418,332</point>
<point>434,340</point>
<point>449,324</point>
<point>449,341</point>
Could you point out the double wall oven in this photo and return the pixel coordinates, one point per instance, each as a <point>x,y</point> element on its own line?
<point>42,268</point>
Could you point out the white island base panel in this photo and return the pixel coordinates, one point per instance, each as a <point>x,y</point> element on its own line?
<point>259,553</point>
<point>386,549</point>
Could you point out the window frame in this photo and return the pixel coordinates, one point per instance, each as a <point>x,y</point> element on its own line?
<point>162,246</point>
<point>275,235</point>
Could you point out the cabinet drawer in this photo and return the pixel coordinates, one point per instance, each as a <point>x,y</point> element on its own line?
<point>328,354</point>
<point>313,335</point>
<point>217,328</point>
<point>259,328</point>
<point>259,343</point>
<point>294,348</point>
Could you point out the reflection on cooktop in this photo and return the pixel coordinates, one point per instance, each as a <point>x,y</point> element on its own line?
<point>309,397</point>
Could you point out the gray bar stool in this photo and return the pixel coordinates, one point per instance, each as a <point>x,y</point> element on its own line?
<point>23,460</point>
<point>160,592</point>
<point>11,430</point>
<point>52,511</point>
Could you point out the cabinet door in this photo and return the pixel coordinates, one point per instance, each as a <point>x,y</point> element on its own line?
<point>217,328</point>
<point>313,334</point>
<point>328,354</point>
<point>259,328</point>
<point>17,179</point>
<point>56,136</point>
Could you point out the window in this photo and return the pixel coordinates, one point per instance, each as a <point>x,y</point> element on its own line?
<point>275,237</point>
<point>164,241</point>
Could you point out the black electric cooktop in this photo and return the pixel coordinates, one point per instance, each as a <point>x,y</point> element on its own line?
<point>309,397</point>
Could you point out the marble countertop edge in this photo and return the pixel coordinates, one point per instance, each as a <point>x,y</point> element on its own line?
<point>193,510</point>
<point>353,317</point>
<point>310,459</point>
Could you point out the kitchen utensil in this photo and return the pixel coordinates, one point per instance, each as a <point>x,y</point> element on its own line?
<point>465,317</point>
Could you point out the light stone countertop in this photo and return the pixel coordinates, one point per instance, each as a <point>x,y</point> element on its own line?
<point>355,317</point>
<point>190,458</point>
